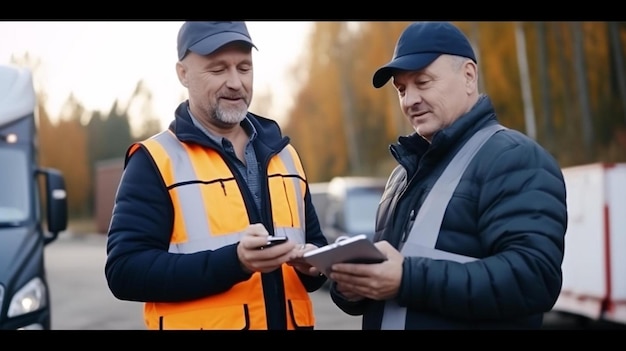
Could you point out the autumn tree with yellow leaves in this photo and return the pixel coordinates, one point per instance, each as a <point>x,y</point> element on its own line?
<point>343,126</point>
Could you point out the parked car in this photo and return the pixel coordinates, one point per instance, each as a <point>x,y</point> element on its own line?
<point>319,196</point>
<point>351,206</point>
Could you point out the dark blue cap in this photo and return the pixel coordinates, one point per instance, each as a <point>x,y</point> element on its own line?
<point>420,44</point>
<point>205,37</point>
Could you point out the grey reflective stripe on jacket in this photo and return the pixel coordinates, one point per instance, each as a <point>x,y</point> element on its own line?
<point>425,230</point>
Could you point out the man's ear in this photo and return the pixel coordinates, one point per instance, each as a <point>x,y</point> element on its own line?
<point>181,72</point>
<point>471,75</point>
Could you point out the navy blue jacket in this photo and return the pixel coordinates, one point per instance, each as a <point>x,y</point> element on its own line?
<point>509,210</point>
<point>138,266</point>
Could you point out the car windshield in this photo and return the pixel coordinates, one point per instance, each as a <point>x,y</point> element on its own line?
<point>13,187</point>
<point>361,208</point>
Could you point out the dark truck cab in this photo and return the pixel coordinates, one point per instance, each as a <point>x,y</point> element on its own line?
<point>27,192</point>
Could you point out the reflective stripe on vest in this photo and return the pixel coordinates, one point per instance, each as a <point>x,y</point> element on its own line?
<point>210,213</point>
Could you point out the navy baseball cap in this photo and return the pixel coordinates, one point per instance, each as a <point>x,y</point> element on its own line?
<point>205,37</point>
<point>420,44</point>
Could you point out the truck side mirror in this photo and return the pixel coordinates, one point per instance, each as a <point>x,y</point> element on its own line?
<point>56,202</point>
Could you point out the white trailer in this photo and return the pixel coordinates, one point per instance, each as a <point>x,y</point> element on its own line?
<point>594,266</point>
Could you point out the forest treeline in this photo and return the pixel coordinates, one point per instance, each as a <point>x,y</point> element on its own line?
<point>562,83</point>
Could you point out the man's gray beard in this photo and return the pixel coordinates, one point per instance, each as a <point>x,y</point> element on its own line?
<point>232,116</point>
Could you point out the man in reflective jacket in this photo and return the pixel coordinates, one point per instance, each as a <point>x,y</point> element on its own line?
<point>491,256</point>
<point>198,201</point>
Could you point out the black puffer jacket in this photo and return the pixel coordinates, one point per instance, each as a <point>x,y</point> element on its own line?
<point>509,210</point>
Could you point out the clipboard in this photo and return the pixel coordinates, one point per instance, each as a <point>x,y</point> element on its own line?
<point>355,249</point>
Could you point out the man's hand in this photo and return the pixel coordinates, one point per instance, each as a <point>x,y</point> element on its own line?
<point>254,257</point>
<point>299,264</point>
<point>377,281</point>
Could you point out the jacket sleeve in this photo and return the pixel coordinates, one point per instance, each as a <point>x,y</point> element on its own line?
<point>138,266</point>
<point>520,218</point>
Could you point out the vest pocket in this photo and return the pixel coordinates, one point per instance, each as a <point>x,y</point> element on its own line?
<point>287,200</point>
<point>236,317</point>
<point>301,314</point>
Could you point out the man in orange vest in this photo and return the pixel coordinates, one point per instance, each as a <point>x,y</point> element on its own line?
<point>197,203</point>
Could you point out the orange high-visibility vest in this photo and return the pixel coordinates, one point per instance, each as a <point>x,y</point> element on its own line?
<point>209,213</point>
